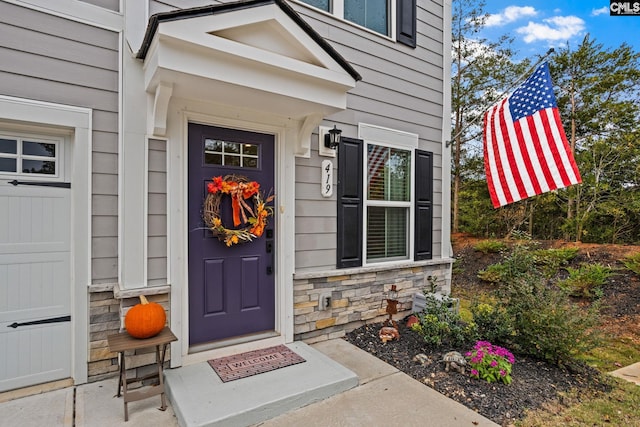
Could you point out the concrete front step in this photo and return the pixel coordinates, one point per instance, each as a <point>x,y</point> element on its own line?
<point>199,398</point>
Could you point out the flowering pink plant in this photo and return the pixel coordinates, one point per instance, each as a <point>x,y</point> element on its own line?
<point>490,362</point>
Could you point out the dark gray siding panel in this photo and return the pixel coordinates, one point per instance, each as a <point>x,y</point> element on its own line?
<point>52,59</point>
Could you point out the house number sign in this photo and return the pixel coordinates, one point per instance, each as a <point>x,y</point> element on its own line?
<point>326,183</point>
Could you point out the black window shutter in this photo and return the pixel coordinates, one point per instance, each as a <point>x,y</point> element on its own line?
<point>406,22</point>
<point>350,203</point>
<point>424,206</point>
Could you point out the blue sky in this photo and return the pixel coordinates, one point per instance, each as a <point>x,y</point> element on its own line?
<point>538,25</point>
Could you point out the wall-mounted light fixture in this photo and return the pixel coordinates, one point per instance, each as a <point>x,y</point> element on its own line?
<point>332,138</point>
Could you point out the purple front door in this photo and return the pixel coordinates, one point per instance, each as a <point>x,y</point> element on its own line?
<point>231,289</point>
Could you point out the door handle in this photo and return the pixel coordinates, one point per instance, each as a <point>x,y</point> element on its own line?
<point>269,251</point>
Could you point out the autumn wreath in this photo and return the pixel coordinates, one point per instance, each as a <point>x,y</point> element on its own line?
<point>254,217</point>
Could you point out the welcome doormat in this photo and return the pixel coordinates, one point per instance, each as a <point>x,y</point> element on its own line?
<point>254,362</point>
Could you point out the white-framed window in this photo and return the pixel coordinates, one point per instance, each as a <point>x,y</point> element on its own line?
<point>385,198</point>
<point>35,156</point>
<point>375,15</point>
<point>388,203</point>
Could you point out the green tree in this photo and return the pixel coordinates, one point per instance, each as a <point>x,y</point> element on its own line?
<point>481,71</point>
<point>597,91</point>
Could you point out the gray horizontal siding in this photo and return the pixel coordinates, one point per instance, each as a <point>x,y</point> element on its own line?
<point>168,5</point>
<point>57,27</point>
<point>402,89</point>
<point>52,59</point>
<point>103,225</point>
<point>157,213</point>
<point>106,4</point>
<point>26,40</point>
<point>61,71</point>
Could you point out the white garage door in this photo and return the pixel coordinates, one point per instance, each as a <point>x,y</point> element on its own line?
<point>35,289</point>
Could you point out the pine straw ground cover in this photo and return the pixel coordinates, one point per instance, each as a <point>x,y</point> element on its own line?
<point>541,394</point>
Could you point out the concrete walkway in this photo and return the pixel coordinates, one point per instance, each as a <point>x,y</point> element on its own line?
<point>384,397</point>
<point>629,373</point>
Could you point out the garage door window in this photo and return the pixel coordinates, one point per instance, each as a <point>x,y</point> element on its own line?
<point>30,156</point>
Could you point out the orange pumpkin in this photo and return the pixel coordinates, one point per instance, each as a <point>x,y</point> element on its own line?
<point>145,320</point>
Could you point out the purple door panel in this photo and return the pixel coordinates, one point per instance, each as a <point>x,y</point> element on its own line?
<point>231,289</point>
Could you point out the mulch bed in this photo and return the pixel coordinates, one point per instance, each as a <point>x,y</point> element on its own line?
<point>534,382</point>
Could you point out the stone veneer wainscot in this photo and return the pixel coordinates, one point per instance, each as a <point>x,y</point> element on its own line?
<point>107,308</point>
<point>357,296</point>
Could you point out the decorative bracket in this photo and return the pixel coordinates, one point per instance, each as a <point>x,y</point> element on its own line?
<point>160,108</point>
<point>303,135</point>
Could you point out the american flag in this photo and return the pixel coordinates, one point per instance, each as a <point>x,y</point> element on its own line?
<point>525,148</point>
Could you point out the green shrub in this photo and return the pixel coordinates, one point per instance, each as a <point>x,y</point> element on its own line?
<point>457,268</point>
<point>520,262</point>
<point>495,273</point>
<point>440,324</point>
<point>519,235</point>
<point>490,246</point>
<point>546,324</point>
<point>586,280</point>
<point>492,322</point>
<point>632,262</point>
<point>550,260</point>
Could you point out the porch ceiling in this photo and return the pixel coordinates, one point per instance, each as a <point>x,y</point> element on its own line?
<point>258,55</point>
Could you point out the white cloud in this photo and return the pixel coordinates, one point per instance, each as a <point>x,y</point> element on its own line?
<point>601,11</point>
<point>510,14</point>
<point>553,29</point>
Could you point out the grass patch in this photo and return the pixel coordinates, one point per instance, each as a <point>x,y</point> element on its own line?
<point>619,407</point>
<point>612,353</point>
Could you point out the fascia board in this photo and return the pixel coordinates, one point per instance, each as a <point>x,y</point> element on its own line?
<point>221,66</point>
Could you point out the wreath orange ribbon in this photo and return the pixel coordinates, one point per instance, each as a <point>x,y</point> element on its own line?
<point>240,190</point>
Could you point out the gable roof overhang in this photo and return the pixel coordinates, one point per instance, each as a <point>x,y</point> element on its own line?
<point>256,54</point>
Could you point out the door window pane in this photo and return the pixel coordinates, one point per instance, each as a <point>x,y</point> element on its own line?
<point>372,14</point>
<point>30,148</point>
<point>8,146</point>
<point>229,153</point>
<point>387,233</point>
<point>38,166</point>
<point>8,165</point>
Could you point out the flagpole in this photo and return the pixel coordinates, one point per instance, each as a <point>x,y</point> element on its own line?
<point>516,83</point>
